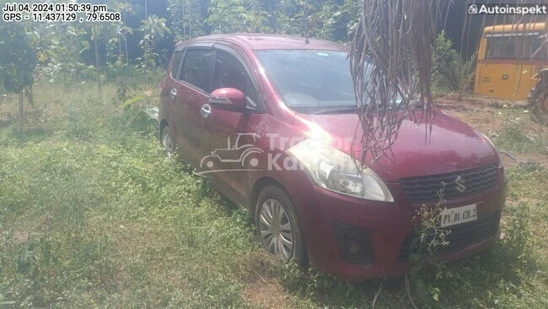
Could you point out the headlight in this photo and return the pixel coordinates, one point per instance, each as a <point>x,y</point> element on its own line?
<point>334,170</point>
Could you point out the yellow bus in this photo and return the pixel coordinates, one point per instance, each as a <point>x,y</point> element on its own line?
<point>513,63</point>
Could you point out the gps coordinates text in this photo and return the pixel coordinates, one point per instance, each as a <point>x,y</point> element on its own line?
<point>58,12</point>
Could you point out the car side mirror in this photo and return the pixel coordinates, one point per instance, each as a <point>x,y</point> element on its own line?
<point>228,99</point>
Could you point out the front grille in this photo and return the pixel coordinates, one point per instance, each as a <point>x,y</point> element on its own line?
<point>460,237</point>
<point>427,188</point>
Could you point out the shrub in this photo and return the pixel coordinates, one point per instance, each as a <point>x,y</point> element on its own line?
<point>450,72</point>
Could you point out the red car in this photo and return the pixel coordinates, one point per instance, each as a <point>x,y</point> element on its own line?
<point>292,100</point>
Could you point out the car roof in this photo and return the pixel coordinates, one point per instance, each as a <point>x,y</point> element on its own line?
<point>257,41</point>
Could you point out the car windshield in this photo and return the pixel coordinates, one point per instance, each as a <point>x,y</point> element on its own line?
<point>310,79</point>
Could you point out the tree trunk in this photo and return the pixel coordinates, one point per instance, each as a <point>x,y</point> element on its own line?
<point>120,52</point>
<point>190,18</point>
<point>21,111</point>
<point>30,95</point>
<point>127,52</point>
<point>124,36</point>
<point>146,55</point>
<point>97,62</point>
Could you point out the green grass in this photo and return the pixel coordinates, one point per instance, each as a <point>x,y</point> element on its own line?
<point>92,215</point>
<point>519,134</point>
<point>513,138</point>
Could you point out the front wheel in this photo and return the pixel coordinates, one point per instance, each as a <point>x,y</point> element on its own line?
<point>538,102</point>
<point>278,225</point>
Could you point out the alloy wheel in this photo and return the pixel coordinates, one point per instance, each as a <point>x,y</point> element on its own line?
<point>275,229</point>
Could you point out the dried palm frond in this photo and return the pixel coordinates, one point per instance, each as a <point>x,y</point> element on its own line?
<point>390,60</point>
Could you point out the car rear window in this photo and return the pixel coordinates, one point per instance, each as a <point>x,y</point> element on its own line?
<point>176,63</point>
<point>196,68</point>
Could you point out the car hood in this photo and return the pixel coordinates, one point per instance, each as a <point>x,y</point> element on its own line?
<point>452,146</point>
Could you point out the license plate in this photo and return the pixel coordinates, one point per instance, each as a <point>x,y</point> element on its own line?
<point>458,215</point>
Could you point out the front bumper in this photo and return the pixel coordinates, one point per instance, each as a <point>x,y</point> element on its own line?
<point>382,231</point>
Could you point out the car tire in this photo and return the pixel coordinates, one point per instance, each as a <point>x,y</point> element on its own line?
<point>167,142</point>
<point>278,225</point>
<point>538,102</point>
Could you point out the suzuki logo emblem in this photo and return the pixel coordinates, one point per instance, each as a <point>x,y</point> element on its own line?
<point>461,184</point>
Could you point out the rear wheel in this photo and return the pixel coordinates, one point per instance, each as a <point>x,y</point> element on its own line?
<point>278,225</point>
<point>167,143</point>
<point>538,102</point>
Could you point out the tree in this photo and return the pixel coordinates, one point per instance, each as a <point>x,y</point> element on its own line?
<point>228,16</point>
<point>18,60</point>
<point>186,19</point>
<point>154,29</point>
<point>59,48</point>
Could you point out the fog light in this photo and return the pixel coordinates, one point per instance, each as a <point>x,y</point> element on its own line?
<point>354,244</point>
<point>354,248</point>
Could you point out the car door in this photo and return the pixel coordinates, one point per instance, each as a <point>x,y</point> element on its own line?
<point>190,94</point>
<point>169,88</point>
<point>229,138</point>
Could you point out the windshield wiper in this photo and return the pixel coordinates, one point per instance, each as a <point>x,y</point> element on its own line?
<point>337,110</point>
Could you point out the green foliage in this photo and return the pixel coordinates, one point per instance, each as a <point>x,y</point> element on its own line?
<point>185,18</point>
<point>466,71</point>
<point>236,16</point>
<point>18,57</point>
<point>153,29</point>
<point>294,17</point>
<point>449,71</point>
<point>512,137</point>
<point>313,284</point>
<point>17,61</point>
<point>427,269</point>
<point>349,14</point>
<point>91,215</point>
<point>131,101</point>
<point>430,237</point>
<point>443,62</point>
<point>60,47</point>
<point>306,18</point>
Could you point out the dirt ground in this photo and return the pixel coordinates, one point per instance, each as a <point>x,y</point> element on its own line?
<point>489,115</point>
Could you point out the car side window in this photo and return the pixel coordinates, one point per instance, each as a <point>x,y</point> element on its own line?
<point>195,69</point>
<point>229,72</point>
<point>176,63</point>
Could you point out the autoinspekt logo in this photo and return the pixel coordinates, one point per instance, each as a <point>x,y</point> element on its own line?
<point>509,9</point>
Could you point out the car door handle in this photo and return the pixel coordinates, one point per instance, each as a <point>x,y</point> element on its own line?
<point>173,93</point>
<point>205,111</point>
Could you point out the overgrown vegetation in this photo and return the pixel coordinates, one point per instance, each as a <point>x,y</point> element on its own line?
<point>92,215</point>
<point>17,63</point>
<point>427,268</point>
<point>450,72</point>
